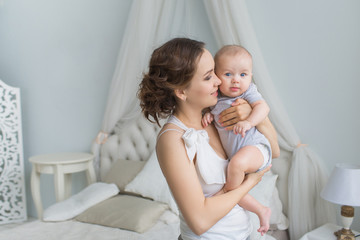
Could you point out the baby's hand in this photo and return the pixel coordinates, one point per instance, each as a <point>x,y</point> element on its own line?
<point>207,119</point>
<point>241,127</point>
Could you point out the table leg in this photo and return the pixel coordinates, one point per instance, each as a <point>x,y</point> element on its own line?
<point>59,183</point>
<point>67,185</point>
<point>90,173</point>
<point>35,190</point>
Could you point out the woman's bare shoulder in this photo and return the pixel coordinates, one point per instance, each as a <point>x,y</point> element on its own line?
<point>170,147</point>
<point>170,130</point>
<point>169,136</point>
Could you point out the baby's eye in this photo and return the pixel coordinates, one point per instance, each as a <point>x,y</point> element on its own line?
<point>228,74</point>
<point>243,74</point>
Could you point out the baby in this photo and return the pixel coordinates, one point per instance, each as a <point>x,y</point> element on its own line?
<point>247,148</point>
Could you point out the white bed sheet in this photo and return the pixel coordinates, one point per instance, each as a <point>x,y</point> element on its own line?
<point>74,230</point>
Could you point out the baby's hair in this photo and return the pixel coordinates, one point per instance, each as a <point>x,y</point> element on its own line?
<point>172,66</point>
<point>231,50</point>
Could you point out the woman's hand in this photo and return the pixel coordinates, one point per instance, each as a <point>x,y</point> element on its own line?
<point>239,111</point>
<point>255,178</point>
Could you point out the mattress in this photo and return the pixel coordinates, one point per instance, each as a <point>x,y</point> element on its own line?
<point>74,230</point>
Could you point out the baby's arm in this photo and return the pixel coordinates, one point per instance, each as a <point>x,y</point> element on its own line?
<point>207,118</point>
<point>260,110</point>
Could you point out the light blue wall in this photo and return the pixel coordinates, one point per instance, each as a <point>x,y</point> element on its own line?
<point>312,50</point>
<point>61,54</point>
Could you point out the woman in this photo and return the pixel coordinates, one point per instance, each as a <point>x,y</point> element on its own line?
<point>181,83</point>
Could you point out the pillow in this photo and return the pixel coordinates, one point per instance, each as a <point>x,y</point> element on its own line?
<point>122,172</point>
<point>79,202</point>
<point>151,183</point>
<point>169,217</point>
<point>277,216</point>
<point>262,192</point>
<point>126,212</point>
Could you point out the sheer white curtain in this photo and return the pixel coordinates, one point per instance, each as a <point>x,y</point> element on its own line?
<point>231,25</point>
<point>150,23</point>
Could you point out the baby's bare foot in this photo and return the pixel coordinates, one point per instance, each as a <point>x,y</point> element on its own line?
<point>264,216</point>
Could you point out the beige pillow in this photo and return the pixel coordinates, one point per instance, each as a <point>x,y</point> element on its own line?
<point>123,171</point>
<point>126,212</point>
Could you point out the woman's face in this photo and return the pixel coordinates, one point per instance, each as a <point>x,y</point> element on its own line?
<point>203,89</point>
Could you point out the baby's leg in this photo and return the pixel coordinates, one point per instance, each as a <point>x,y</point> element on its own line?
<point>247,160</point>
<point>249,203</point>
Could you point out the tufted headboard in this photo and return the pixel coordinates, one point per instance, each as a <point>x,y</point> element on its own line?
<point>136,141</point>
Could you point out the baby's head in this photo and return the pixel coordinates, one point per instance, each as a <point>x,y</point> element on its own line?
<point>233,65</point>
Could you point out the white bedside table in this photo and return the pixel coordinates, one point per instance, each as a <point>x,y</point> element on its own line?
<point>62,165</point>
<point>325,232</point>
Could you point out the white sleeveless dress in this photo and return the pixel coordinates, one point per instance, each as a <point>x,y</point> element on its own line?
<point>211,170</point>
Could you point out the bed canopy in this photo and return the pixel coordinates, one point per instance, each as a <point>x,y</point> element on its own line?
<point>152,22</point>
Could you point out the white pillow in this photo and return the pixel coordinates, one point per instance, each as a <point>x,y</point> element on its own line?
<point>151,183</point>
<point>81,201</point>
<point>169,217</point>
<point>262,192</point>
<point>277,216</point>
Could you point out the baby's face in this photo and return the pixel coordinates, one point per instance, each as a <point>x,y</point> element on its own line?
<point>235,73</point>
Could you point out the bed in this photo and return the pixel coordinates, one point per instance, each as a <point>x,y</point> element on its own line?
<point>143,208</point>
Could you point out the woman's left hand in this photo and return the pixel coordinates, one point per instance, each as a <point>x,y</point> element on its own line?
<point>239,111</point>
<point>255,178</point>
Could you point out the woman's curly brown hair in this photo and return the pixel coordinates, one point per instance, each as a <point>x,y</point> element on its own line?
<point>171,67</point>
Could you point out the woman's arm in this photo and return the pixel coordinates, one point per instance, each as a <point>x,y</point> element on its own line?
<point>266,128</point>
<point>240,111</point>
<point>200,213</point>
